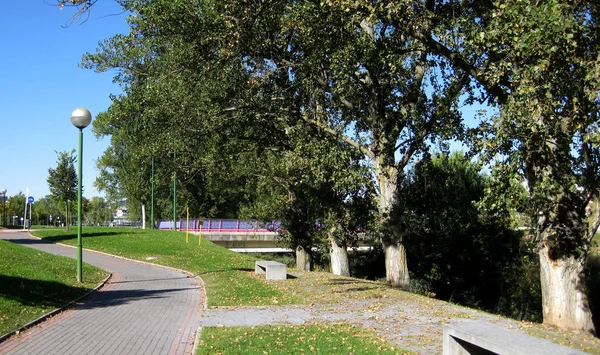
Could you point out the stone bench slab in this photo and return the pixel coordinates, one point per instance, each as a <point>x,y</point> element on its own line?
<point>272,270</point>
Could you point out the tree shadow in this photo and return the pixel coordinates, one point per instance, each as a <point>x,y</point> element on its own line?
<point>342,281</point>
<point>112,298</point>
<point>63,237</point>
<point>38,292</point>
<point>54,294</point>
<point>355,289</point>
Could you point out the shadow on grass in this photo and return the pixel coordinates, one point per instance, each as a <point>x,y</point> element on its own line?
<point>356,289</point>
<point>244,269</point>
<point>38,292</point>
<point>335,282</point>
<point>73,235</point>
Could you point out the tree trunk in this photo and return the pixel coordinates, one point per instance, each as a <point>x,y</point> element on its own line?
<point>143,216</point>
<point>303,259</point>
<point>565,302</point>
<point>396,267</point>
<point>339,256</point>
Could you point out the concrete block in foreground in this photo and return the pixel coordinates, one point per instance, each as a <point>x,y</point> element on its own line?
<point>482,338</point>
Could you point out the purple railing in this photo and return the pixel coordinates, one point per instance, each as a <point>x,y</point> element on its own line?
<point>220,225</point>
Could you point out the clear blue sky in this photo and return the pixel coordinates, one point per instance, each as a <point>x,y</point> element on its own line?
<point>41,84</point>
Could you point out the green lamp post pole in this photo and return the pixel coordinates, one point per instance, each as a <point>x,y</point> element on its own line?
<point>3,192</point>
<point>80,118</point>
<point>174,190</point>
<point>152,199</point>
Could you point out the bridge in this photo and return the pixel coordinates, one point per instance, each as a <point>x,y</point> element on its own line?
<point>242,236</point>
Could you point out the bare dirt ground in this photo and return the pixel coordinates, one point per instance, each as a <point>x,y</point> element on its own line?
<point>411,321</point>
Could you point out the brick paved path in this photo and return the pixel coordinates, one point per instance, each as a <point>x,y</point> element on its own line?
<point>142,309</point>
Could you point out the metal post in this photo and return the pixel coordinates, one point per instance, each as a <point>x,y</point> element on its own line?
<point>4,222</point>
<point>174,190</point>
<point>79,177</point>
<point>152,199</point>
<point>25,211</point>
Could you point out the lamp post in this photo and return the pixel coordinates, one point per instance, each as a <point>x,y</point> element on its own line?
<point>80,118</point>
<point>3,192</point>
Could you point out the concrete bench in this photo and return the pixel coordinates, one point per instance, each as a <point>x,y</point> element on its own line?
<point>483,338</point>
<point>273,269</point>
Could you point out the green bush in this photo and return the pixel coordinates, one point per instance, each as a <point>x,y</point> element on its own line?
<point>460,249</point>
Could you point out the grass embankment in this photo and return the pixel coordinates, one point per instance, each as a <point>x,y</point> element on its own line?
<point>228,275</point>
<point>339,338</point>
<point>34,283</point>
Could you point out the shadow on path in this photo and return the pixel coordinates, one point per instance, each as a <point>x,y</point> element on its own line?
<point>111,298</point>
<point>38,292</point>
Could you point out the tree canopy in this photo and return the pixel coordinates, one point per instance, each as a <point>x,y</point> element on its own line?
<point>222,82</point>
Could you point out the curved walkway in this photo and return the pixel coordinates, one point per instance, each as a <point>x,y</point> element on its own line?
<point>142,309</point>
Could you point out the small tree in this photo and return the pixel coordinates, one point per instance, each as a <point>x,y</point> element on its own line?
<point>63,180</point>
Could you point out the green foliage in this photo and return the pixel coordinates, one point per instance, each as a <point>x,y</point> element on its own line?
<point>459,252</point>
<point>97,211</point>
<point>15,206</point>
<point>62,181</point>
<point>35,283</point>
<point>45,207</point>
<point>336,338</point>
<point>316,186</point>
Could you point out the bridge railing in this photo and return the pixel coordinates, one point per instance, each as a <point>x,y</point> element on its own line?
<point>219,225</point>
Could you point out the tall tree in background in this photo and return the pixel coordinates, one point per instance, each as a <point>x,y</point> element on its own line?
<point>62,181</point>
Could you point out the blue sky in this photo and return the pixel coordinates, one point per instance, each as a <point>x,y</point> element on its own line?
<point>41,84</point>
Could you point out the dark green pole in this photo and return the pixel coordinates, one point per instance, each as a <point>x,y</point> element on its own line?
<point>174,190</point>
<point>152,199</point>
<point>79,177</point>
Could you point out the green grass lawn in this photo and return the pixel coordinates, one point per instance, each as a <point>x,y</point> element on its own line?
<point>33,283</point>
<point>331,338</point>
<point>228,275</point>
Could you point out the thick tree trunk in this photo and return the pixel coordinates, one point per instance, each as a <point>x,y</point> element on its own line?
<point>339,257</point>
<point>303,259</point>
<point>565,302</point>
<point>143,216</point>
<point>396,267</point>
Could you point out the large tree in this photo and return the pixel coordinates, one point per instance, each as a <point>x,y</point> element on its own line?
<point>62,181</point>
<point>347,70</point>
<point>366,80</point>
<point>539,63</point>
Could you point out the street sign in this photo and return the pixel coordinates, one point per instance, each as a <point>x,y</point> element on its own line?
<point>30,199</point>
